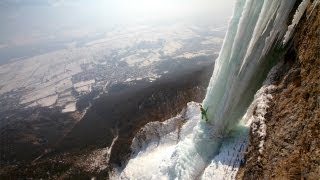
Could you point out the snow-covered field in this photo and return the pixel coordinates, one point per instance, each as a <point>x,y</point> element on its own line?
<point>122,55</point>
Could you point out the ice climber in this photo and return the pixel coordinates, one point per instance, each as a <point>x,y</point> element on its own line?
<point>204,113</point>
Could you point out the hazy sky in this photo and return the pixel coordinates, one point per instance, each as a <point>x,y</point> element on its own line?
<point>27,21</point>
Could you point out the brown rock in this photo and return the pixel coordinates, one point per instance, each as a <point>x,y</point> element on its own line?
<point>292,144</point>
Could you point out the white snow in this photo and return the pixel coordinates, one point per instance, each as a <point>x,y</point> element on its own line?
<point>189,55</point>
<point>84,83</point>
<point>296,18</point>
<point>171,47</point>
<point>213,40</point>
<point>84,86</point>
<point>153,77</point>
<point>65,99</point>
<point>226,163</point>
<point>48,101</point>
<point>137,60</point>
<point>53,73</point>
<point>257,110</point>
<point>71,107</point>
<point>154,144</point>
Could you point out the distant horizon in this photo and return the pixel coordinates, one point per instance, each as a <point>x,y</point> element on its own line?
<point>32,22</point>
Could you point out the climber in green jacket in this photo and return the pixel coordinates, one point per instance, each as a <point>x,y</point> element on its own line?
<point>204,113</point>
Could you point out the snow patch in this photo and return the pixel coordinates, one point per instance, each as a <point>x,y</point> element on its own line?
<point>84,86</point>
<point>71,107</point>
<point>171,47</point>
<point>213,40</point>
<point>48,101</point>
<point>296,18</point>
<point>190,55</point>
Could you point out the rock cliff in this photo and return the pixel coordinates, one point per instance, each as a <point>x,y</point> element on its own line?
<point>292,145</point>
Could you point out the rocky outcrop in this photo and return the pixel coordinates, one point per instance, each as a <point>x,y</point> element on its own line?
<point>292,144</point>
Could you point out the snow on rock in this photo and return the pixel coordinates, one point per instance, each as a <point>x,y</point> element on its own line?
<point>255,115</point>
<point>296,18</point>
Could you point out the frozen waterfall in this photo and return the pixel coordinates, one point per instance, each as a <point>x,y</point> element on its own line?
<point>243,60</point>
<point>255,29</point>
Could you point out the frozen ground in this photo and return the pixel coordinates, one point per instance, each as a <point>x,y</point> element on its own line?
<point>59,78</point>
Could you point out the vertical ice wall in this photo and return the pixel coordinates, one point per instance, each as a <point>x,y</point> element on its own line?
<point>243,62</point>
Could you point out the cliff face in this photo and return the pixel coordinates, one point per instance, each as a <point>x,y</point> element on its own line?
<point>292,145</point>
